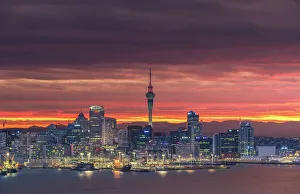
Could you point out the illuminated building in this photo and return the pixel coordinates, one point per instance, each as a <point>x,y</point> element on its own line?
<point>45,138</point>
<point>194,130</point>
<point>284,151</point>
<point>194,126</point>
<point>96,119</point>
<point>138,136</point>
<point>204,145</point>
<point>246,139</point>
<point>123,138</point>
<point>150,97</point>
<point>37,152</point>
<point>74,134</point>
<point>174,137</point>
<point>83,122</point>
<point>109,130</point>
<point>226,145</point>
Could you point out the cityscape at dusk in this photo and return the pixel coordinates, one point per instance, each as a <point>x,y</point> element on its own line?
<point>161,96</point>
<point>225,60</point>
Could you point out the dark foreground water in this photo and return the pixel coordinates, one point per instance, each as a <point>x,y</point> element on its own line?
<point>238,180</point>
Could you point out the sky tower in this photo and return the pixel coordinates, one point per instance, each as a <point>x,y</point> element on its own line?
<point>150,97</point>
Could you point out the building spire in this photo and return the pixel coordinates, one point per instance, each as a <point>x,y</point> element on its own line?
<point>150,73</point>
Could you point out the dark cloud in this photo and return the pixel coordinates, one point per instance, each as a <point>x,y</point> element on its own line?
<point>116,33</point>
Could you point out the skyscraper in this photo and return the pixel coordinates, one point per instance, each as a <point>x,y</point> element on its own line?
<point>134,133</point>
<point>150,96</point>
<point>109,130</point>
<point>226,144</point>
<point>194,129</point>
<point>96,119</point>
<point>246,139</point>
<point>83,122</point>
<point>194,126</point>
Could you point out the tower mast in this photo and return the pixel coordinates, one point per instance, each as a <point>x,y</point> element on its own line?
<point>150,96</point>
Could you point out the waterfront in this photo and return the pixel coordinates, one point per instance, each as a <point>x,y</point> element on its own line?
<point>237,180</point>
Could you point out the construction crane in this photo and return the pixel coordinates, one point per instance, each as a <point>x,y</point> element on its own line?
<point>3,124</point>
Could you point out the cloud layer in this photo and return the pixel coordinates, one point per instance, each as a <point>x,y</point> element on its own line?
<point>223,59</point>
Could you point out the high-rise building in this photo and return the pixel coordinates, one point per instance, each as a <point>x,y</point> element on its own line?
<point>139,136</point>
<point>134,133</point>
<point>96,119</point>
<point>194,130</point>
<point>175,137</point>
<point>109,130</point>
<point>83,122</point>
<point>194,126</point>
<point>226,145</point>
<point>74,134</point>
<point>205,146</point>
<point>246,139</point>
<point>150,97</point>
<point>123,138</point>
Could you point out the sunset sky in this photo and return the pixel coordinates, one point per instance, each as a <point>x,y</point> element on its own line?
<point>223,59</point>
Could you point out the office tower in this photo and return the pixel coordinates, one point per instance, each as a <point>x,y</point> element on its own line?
<point>139,136</point>
<point>96,120</point>
<point>246,139</point>
<point>83,122</point>
<point>194,126</point>
<point>74,134</point>
<point>205,146</point>
<point>226,145</point>
<point>109,129</point>
<point>123,138</point>
<point>194,130</point>
<point>134,133</point>
<point>150,97</point>
<point>175,137</point>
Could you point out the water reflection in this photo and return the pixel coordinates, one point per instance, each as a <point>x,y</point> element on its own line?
<point>190,171</point>
<point>163,173</point>
<point>86,174</point>
<point>211,170</point>
<point>117,174</point>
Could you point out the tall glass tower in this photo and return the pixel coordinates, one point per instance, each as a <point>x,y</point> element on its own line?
<point>96,119</point>
<point>246,139</point>
<point>150,97</point>
<point>194,130</point>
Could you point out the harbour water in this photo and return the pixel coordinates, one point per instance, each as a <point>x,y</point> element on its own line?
<point>237,180</point>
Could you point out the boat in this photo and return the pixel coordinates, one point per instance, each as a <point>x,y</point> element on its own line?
<point>126,168</point>
<point>10,165</point>
<point>3,172</point>
<point>12,170</point>
<point>84,167</point>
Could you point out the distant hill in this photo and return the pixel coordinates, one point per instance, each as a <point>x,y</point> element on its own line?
<point>287,129</point>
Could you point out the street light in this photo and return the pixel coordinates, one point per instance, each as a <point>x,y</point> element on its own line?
<point>163,158</point>
<point>89,156</point>
<point>134,156</point>
<point>212,159</point>
<point>191,155</point>
<point>119,156</point>
<point>123,159</point>
<point>150,157</point>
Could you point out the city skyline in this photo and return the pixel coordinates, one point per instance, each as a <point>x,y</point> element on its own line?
<point>224,68</point>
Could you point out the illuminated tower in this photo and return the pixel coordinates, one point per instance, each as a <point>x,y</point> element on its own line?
<point>150,96</point>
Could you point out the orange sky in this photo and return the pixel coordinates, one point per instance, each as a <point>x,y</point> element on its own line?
<point>222,59</point>
<point>229,96</point>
